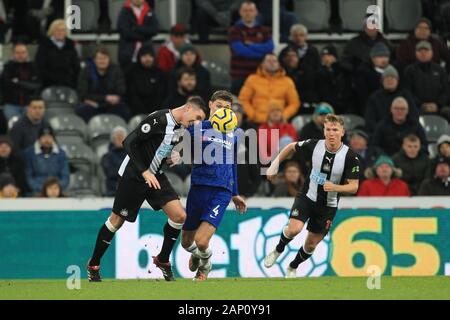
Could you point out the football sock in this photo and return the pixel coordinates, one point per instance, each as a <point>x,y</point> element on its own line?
<point>104,238</point>
<point>171,232</point>
<point>284,241</point>
<point>193,249</point>
<point>301,256</point>
<point>205,255</point>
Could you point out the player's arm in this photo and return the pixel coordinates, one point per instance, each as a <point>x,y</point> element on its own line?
<point>351,186</point>
<point>287,152</point>
<point>351,171</point>
<point>132,145</point>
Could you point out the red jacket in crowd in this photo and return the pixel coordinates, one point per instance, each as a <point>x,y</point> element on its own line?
<point>376,188</point>
<point>285,129</point>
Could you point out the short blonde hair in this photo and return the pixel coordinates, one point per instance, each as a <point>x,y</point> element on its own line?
<point>55,24</point>
<point>332,118</point>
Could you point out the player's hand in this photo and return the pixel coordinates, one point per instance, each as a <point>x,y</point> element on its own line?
<point>151,180</point>
<point>240,204</point>
<point>329,186</point>
<point>272,172</point>
<point>174,159</point>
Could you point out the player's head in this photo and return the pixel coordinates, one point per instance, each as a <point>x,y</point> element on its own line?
<point>220,99</point>
<point>194,111</point>
<point>333,130</point>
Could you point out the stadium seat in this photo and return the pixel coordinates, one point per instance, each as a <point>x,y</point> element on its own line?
<point>66,140</point>
<point>314,14</point>
<point>101,149</point>
<point>432,150</point>
<point>69,125</point>
<point>352,13</point>
<point>351,121</point>
<point>82,184</point>
<point>12,121</point>
<point>220,76</point>
<point>299,121</point>
<point>176,183</point>
<point>90,13</point>
<point>402,15</point>
<point>53,112</point>
<point>60,97</point>
<point>434,126</point>
<point>80,156</point>
<point>134,122</point>
<point>162,11</point>
<point>114,8</point>
<point>100,127</point>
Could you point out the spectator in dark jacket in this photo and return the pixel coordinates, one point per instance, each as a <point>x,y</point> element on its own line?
<point>210,13</point>
<point>19,81</point>
<point>45,159</point>
<point>101,88</point>
<point>439,185</point>
<point>248,171</point>
<point>169,52</point>
<point>146,83</point>
<point>358,141</point>
<point>25,131</point>
<point>443,150</point>
<point>291,182</point>
<point>186,87</point>
<point>390,132</point>
<point>136,24</point>
<point>189,57</point>
<point>406,51</point>
<point>314,128</point>
<point>333,85</point>
<point>12,163</point>
<point>368,75</point>
<point>357,50</point>
<point>249,42</point>
<point>112,160</point>
<point>379,102</point>
<point>57,59</point>
<point>428,82</point>
<point>413,162</point>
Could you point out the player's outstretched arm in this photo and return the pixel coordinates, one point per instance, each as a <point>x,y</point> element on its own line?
<point>350,187</point>
<point>283,155</point>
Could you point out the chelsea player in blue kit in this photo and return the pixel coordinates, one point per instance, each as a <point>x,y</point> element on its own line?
<point>213,186</point>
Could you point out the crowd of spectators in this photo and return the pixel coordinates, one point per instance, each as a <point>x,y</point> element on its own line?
<point>389,86</point>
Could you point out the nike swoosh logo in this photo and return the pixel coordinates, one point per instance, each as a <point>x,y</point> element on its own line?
<point>106,242</point>
<point>211,216</point>
<point>174,239</point>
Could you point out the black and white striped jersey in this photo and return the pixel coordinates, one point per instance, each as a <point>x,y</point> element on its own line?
<point>150,143</point>
<point>336,167</point>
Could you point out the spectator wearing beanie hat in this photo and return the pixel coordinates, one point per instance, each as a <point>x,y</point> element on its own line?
<point>428,82</point>
<point>406,51</point>
<point>439,185</point>
<point>8,188</point>
<point>190,58</point>
<point>368,76</point>
<point>45,159</point>
<point>314,128</point>
<point>383,180</point>
<point>443,150</point>
<point>146,83</point>
<point>379,102</point>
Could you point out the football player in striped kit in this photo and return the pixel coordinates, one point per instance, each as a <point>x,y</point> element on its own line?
<point>335,170</point>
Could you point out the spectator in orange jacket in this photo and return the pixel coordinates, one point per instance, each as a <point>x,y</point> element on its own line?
<point>270,141</point>
<point>269,83</point>
<point>385,183</point>
<point>169,53</point>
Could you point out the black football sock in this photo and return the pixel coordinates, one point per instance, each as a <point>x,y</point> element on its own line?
<point>171,232</point>
<point>301,256</point>
<point>284,241</point>
<point>104,238</point>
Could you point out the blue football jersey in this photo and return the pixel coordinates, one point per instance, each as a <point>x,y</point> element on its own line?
<point>216,164</point>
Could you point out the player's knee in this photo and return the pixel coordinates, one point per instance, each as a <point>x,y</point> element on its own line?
<point>179,218</point>
<point>202,243</point>
<point>291,231</point>
<point>310,246</point>
<point>116,220</point>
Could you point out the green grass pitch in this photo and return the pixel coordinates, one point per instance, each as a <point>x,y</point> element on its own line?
<point>233,288</point>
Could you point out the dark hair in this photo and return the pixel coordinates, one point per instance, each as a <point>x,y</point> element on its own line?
<point>103,50</point>
<point>222,95</point>
<point>183,71</point>
<point>198,102</point>
<point>49,182</point>
<point>34,97</point>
